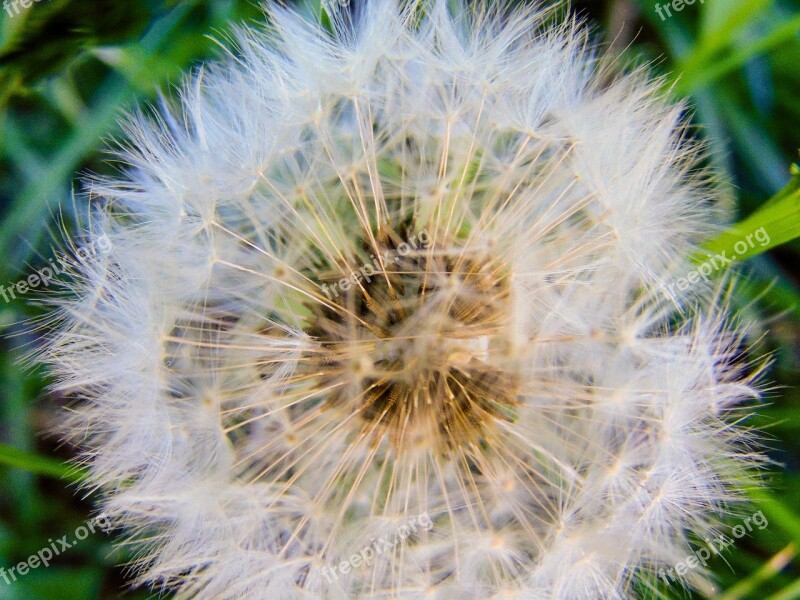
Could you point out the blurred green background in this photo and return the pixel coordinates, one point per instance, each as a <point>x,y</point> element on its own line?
<point>69,69</point>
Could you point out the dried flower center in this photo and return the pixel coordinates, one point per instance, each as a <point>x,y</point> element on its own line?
<point>415,341</point>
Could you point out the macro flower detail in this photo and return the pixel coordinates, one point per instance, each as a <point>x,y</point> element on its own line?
<point>415,263</point>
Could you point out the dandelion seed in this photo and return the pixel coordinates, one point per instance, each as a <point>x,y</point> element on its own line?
<point>415,265</point>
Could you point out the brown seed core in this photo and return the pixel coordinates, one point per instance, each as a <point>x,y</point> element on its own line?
<point>418,345</point>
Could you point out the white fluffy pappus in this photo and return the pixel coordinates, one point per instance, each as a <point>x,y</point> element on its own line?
<point>415,264</point>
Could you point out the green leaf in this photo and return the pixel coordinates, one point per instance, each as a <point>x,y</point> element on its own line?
<point>778,513</point>
<point>791,592</point>
<point>754,582</point>
<point>721,21</point>
<point>41,465</point>
<point>709,71</point>
<point>775,223</point>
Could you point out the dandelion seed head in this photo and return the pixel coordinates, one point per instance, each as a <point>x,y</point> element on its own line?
<point>420,264</point>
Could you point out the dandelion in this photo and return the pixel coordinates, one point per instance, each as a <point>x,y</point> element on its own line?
<point>417,262</point>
